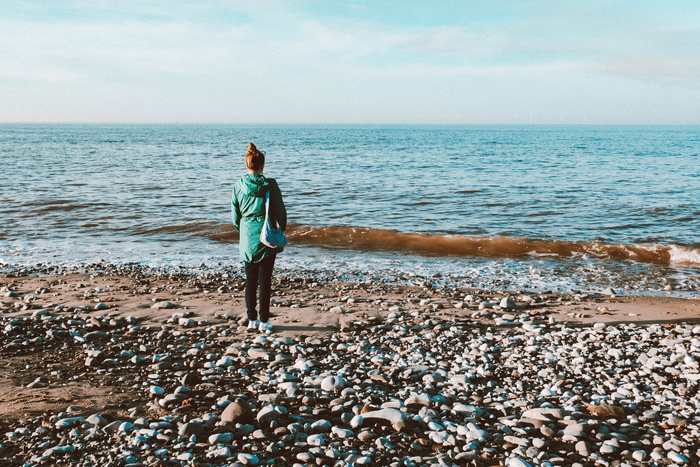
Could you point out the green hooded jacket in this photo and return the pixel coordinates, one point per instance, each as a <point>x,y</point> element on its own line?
<point>248,212</point>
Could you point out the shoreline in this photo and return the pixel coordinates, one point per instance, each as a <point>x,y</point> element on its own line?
<point>83,350</point>
<point>533,275</point>
<point>216,295</point>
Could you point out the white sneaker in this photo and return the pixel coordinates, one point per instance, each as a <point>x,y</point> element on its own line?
<point>265,326</point>
<point>253,323</point>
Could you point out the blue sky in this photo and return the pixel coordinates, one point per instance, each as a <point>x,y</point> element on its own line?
<point>304,61</point>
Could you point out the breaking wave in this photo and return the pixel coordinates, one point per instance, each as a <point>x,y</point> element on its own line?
<point>370,239</point>
<point>491,247</point>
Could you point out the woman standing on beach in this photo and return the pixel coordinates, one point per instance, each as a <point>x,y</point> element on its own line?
<point>248,210</point>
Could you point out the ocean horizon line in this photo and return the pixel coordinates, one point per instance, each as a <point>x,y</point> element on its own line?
<point>353,124</point>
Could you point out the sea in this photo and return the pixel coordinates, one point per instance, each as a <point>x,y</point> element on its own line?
<point>508,207</point>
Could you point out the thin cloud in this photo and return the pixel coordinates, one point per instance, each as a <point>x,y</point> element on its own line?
<point>675,72</point>
<point>278,57</point>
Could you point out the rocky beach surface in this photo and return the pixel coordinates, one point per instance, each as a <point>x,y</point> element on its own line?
<point>130,366</point>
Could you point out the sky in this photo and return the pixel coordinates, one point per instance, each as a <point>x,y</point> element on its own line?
<point>327,61</point>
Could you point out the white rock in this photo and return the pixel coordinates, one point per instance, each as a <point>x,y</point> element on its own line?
<point>354,459</point>
<point>502,322</point>
<point>225,362</point>
<point>607,449</point>
<point>517,462</point>
<point>342,433</point>
<point>40,313</point>
<point>221,438</point>
<point>434,426</point>
<point>269,413</point>
<point>418,399</point>
<point>389,415</point>
<point>544,413</point>
<point>248,459</point>
<point>305,457</point>
<point>332,383</point>
<point>677,458</point>
<point>438,437</point>
<point>582,448</point>
<point>258,354</point>
<point>221,452</point>
<point>467,412</point>
<point>316,440</point>
<point>357,421</point>
<point>516,440</point>
<point>321,426</point>
<point>460,380</point>
<point>96,419</point>
<point>302,364</point>
<point>576,430</point>
<point>126,426</point>
<point>66,422</point>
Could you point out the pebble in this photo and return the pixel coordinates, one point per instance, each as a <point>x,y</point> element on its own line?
<point>576,430</point>
<point>545,414</point>
<point>237,411</point>
<point>332,383</point>
<point>191,428</point>
<point>518,462</point>
<point>316,440</point>
<point>258,354</point>
<point>677,458</point>
<point>388,415</point>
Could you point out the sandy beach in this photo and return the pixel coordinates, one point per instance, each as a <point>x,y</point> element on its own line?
<point>304,304</point>
<point>47,375</point>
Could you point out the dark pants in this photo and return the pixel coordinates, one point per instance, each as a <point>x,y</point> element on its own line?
<point>259,275</point>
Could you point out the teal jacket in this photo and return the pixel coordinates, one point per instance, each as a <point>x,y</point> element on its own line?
<point>248,212</point>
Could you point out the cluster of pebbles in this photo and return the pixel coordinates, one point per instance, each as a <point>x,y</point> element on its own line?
<point>405,390</point>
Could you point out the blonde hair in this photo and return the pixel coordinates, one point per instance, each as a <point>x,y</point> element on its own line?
<point>254,159</point>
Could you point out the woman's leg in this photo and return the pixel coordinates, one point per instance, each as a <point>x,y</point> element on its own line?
<point>265,281</point>
<point>252,270</point>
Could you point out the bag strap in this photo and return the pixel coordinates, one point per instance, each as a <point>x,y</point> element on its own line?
<point>267,203</point>
<point>273,222</point>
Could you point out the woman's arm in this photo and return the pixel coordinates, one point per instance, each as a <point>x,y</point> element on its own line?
<point>235,210</point>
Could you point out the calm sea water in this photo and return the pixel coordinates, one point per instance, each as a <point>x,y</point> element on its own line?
<point>532,207</point>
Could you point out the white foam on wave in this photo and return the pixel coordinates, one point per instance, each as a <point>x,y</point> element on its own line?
<point>684,256</point>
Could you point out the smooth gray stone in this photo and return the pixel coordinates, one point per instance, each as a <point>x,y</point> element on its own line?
<point>191,428</point>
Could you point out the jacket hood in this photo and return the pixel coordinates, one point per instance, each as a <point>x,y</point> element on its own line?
<point>255,185</point>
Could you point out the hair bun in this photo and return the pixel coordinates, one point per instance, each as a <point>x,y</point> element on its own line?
<point>251,147</point>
